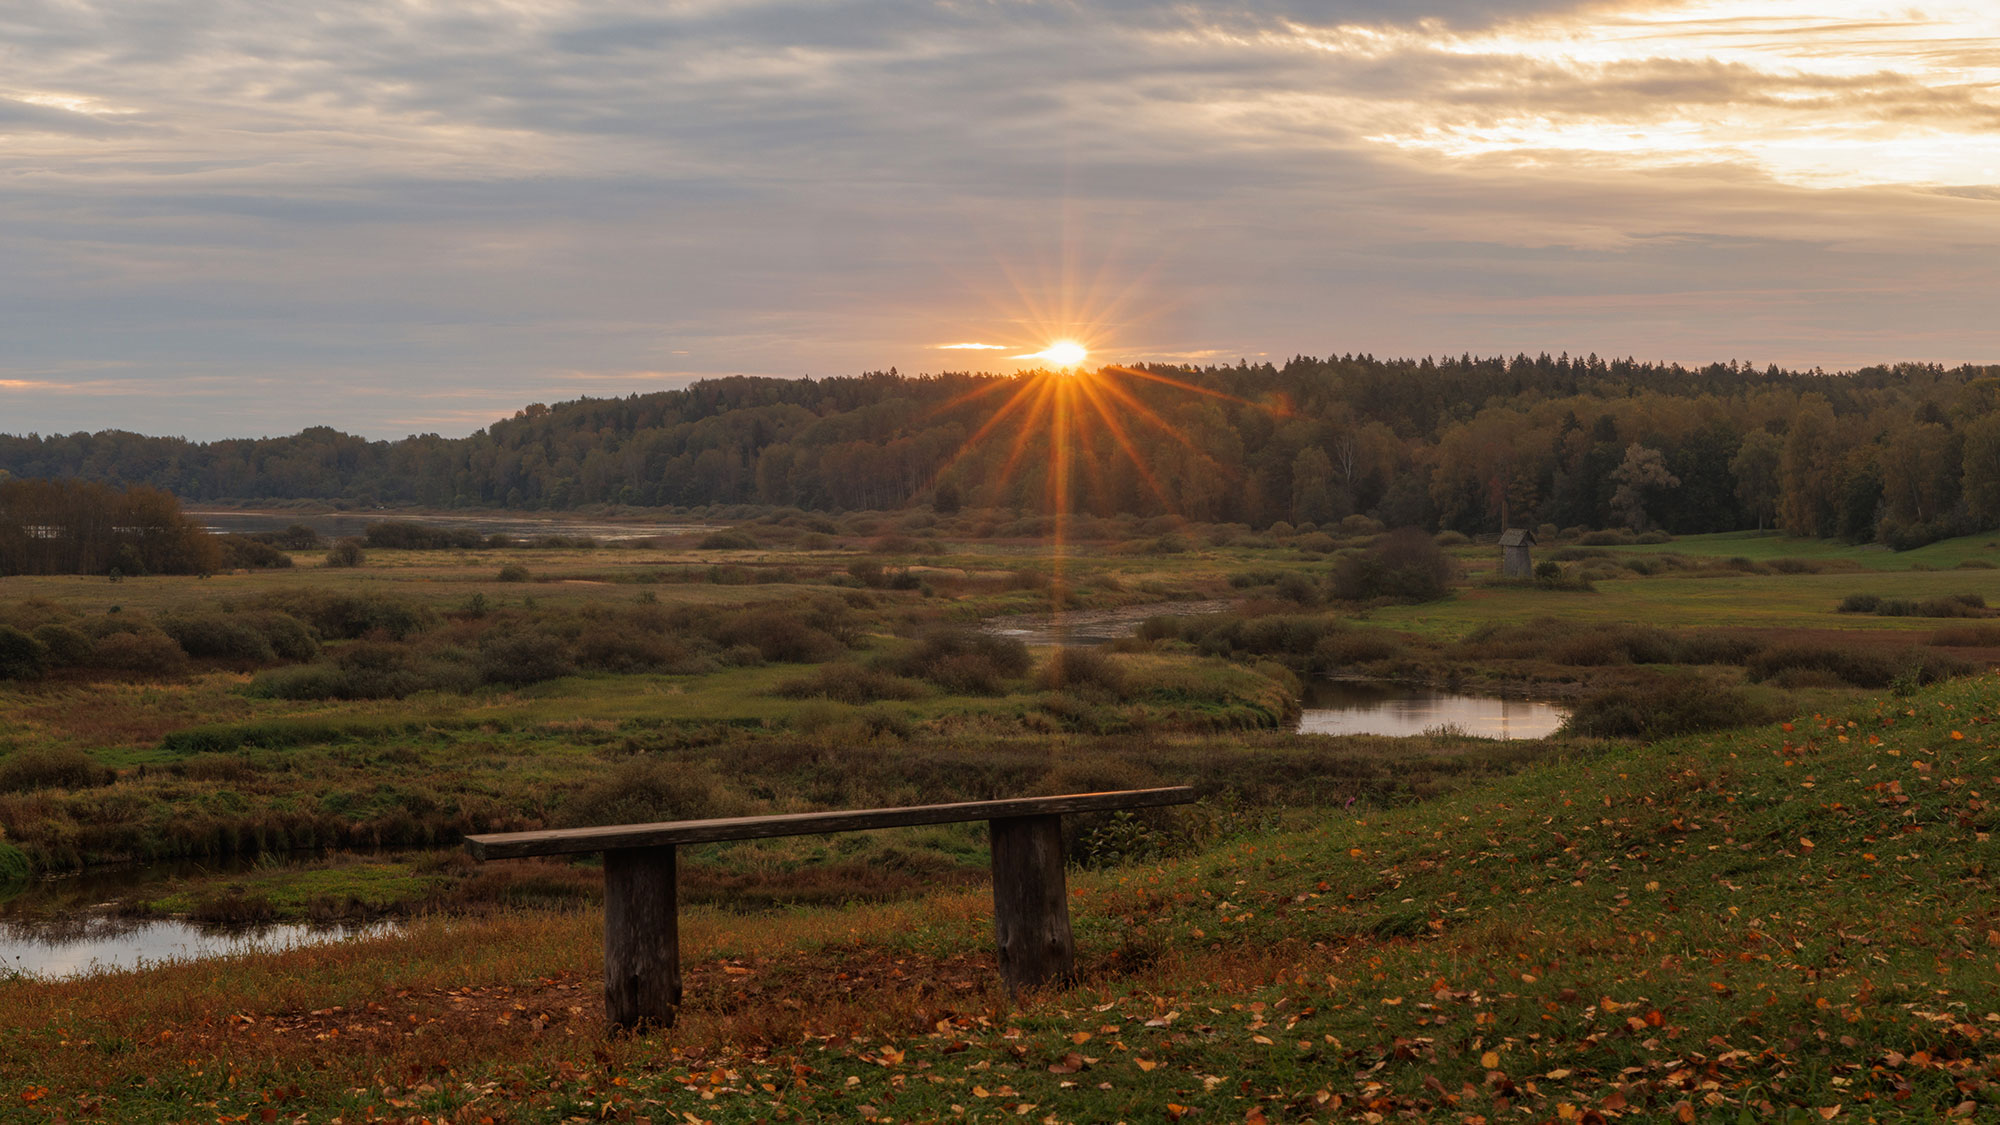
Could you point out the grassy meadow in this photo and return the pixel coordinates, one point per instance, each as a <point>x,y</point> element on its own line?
<point>1752,878</point>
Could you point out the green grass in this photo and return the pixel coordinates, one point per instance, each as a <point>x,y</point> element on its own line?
<point>1771,924</point>
<point>1793,601</point>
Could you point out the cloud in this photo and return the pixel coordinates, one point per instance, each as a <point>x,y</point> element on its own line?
<point>501,197</point>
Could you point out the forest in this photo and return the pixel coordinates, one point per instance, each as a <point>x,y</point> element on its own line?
<point>1904,455</point>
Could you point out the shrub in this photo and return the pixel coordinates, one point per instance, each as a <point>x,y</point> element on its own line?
<point>349,616</point>
<point>1653,538</point>
<point>1860,603</point>
<point>1082,669</point>
<point>615,648</point>
<point>346,552</point>
<point>297,537</point>
<point>1952,605</point>
<point>1662,709</point>
<point>523,656</point>
<point>963,660</point>
<point>1975,564</point>
<point>147,651</point>
<point>643,790</point>
<point>287,635</point>
<point>729,539</point>
<point>52,768</point>
<point>1548,571</point>
<point>405,535</point>
<point>1405,565</point>
<point>218,636</point>
<point>1296,587</point>
<point>785,634</point>
<point>66,647</point>
<point>1962,636</point>
<point>513,572</point>
<point>240,552</point>
<point>22,657</point>
<point>1605,539</point>
<point>1451,539</point>
<point>851,683</point>
<point>1851,666</point>
<point>1316,543</point>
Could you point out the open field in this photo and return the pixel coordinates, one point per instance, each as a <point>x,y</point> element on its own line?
<point>1790,922</point>
<point>1316,915</point>
<point>227,756</point>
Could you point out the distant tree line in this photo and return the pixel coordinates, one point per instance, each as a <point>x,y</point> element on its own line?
<point>1903,454</point>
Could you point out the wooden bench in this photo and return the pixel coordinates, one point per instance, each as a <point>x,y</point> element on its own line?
<point>642,957</point>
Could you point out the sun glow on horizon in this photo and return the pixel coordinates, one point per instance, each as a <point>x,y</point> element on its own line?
<point>1062,353</point>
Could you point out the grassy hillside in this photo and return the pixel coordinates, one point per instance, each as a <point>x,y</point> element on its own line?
<point>1793,922</point>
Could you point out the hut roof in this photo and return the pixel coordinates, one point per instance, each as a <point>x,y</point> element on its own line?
<point>1517,537</point>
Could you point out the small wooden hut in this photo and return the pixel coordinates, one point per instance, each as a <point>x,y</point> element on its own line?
<point>1514,560</point>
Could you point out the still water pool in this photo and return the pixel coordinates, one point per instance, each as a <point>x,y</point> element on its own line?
<point>1349,707</point>
<point>80,944</point>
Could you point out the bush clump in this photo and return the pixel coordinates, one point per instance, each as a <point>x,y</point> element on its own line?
<point>241,552</point>
<point>729,539</point>
<point>407,535</point>
<point>337,616</point>
<point>851,683</point>
<point>1798,665</point>
<point>218,636</point>
<point>1405,565</point>
<point>523,655</point>
<point>66,647</point>
<point>513,572</point>
<point>147,651</point>
<point>52,768</point>
<point>1662,709</point>
<point>962,660</point>
<point>1962,636</point>
<point>22,657</point>
<point>1083,671</point>
<point>645,790</point>
<point>1950,605</point>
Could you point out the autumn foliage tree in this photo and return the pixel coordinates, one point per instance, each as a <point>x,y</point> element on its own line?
<point>82,527</point>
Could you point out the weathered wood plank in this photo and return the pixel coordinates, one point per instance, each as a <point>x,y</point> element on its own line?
<point>572,841</point>
<point>642,938</point>
<point>1031,902</point>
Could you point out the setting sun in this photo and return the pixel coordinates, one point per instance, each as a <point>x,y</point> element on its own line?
<point>1062,353</point>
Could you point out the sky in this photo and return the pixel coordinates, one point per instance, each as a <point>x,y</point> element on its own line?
<point>237,218</point>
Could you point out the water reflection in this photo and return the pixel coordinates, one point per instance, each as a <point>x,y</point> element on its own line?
<point>1347,707</point>
<point>80,943</point>
<point>1092,626</point>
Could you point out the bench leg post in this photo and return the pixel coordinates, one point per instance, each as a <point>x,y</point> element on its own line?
<point>642,941</point>
<point>1031,902</point>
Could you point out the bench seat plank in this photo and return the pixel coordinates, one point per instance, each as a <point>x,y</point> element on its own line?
<point>573,841</point>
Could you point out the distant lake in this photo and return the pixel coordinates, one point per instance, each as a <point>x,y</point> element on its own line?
<point>1349,707</point>
<point>340,525</point>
